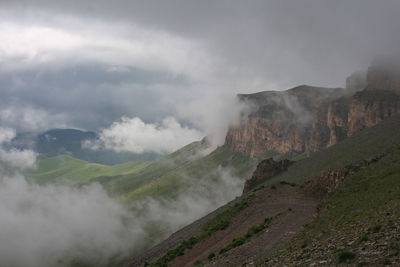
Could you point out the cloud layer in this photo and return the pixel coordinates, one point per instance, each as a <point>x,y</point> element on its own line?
<point>89,64</point>
<point>54,225</point>
<point>133,135</point>
<point>15,158</point>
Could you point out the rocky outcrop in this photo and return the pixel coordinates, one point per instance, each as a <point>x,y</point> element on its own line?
<point>368,108</point>
<point>279,122</point>
<point>265,169</point>
<point>330,125</point>
<point>308,119</point>
<point>320,186</point>
<point>356,82</point>
<point>384,75</point>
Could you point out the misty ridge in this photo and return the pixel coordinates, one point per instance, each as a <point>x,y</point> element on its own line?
<point>125,123</point>
<point>60,224</point>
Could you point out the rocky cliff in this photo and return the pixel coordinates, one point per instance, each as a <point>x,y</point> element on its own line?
<point>279,121</point>
<point>308,119</point>
<point>265,169</point>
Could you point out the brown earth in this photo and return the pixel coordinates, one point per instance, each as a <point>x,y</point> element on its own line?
<point>298,209</point>
<point>268,203</point>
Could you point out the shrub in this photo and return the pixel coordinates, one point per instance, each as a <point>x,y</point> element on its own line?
<point>198,263</point>
<point>345,256</point>
<point>376,228</point>
<point>211,256</point>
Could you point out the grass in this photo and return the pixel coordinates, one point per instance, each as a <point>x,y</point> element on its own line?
<point>367,143</point>
<point>220,222</point>
<point>162,178</point>
<point>345,256</point>
<point>64,167</point>
<point>168,182</point>
<point>250,233</point>
<point>358,216</point>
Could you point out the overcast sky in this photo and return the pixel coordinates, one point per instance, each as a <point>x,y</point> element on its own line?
<point>86,64</point>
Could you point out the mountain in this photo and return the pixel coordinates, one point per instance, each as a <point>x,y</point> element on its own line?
<point>336,204</point>
<point>280,121</point>
<point>346,195</point>
<point>307,119</point>
<point>69,142</point>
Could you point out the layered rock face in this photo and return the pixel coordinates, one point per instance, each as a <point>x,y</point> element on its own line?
<point>280,121</point>
<point>368,108</point>
<point>384,75</point>
<point>307,119</point>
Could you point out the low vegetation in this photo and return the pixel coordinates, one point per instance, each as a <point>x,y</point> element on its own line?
<point>220,222</point>
<point>358,223</point>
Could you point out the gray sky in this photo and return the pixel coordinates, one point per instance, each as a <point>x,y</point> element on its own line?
<point>86,64</point>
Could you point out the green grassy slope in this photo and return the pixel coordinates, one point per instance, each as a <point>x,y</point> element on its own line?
<point>206,168</point>
<point>359,223</point>
<point>67,168</point>
<point>372,141</point>
<point>165,177</point>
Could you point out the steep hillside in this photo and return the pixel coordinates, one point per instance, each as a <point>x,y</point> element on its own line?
<point>361,175</point>
<point>357,224</point>
<point>166,177</point>
<point>64,168</point>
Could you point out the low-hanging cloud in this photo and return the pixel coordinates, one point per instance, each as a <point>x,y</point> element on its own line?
<point>56,225</point>
<point>16,158</point>
<point>23,117</point>
<point>201,196</point>
<point>134,135</point>
<point>208,112</point>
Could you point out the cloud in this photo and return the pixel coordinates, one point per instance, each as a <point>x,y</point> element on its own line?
<point>26,118</point>
<point>16,158</point>
<point>180,52</point>
<point>201,196</point>
<point>133,135</point>
<point>55,225</point>
<point>213,115</point>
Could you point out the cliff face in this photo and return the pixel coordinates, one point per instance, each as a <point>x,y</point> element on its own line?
<point>368,108</point>
<point>384,75</point>
<point>280,121</point>
<point>311,118</point>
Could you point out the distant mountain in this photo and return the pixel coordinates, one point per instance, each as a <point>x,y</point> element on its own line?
<point>69,142</point>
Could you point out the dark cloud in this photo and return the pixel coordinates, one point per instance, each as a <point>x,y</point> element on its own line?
<point>192,49</point>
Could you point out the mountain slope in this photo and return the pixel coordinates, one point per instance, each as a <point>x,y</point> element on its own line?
<point>359,223</point>
<point>68,169</point>
<point>244,238</point>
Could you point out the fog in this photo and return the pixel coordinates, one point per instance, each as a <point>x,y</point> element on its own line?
<point>59,224</point>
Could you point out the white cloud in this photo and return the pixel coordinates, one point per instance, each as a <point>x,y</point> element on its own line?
<point>208,112</point>
<point>20,159</point>
<point>53,225</point>
<point>6,134</point>
<point>26,118</point>
<point>133,135</point>
<point>33,45</point>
